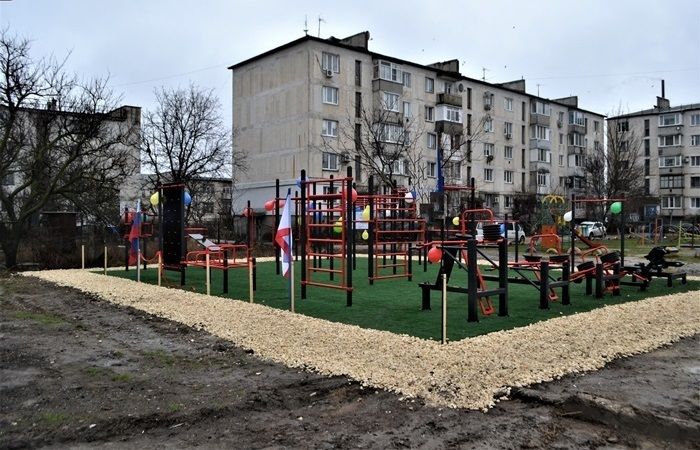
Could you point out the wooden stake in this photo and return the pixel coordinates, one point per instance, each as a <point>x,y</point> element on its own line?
<point>250,280</point>
<point>444,308</point>
<point>160,267</point>
<point>208,275</point>
<point>82,256</point>
<point>105,260</point>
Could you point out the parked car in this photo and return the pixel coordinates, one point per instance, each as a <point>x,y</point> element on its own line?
<point>593,229</point>
<point>510,229</point>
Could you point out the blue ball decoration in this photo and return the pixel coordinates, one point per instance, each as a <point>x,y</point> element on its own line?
<point>188,198</point>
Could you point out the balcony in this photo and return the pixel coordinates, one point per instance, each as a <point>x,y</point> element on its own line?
<point>540,166</point>
<point>387,86</point>
<point>392,117</point>
<point>539,119</point>
<point>540,143</point>
<point>575,150</point>
<point>574,128</point>
<point>670,131</point>
<point>452,128</point>
<point>449,99</point>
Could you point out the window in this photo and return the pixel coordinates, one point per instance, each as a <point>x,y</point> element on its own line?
<point>542,178</point>
<point>488,100</point>
<point>669,141</point>
<point>407,79</point>
<point>453,169</point>
<point>390,101</point>
<point>330,128</point>
<point>508,201</point>
<point>469,98</point>
<point>489,149</point>
<point>647,167</point>
<point>432,169</point>
<point>540,132</point>
<point>695,119</point>
<point>407,112</point>
<point>695,139</point>
<point>623,126</point>
<point>399,167</point>
<point>508,129</point>
<point>358,73</point>
<point>330,61</point>
<point>541,108</point>
<point>432,140</point>
<point>671,181</point>
<point>508,176</point>
<point>695,182</point>
<point>561,160</point>
<point>561,138</point>
<point>669,120</point>
<point>695,202</point>
<point>695,161</point>
<point>543,155</point>
<point>390,133</point>
<point>508,152</point>
<point>447,87</point>
<point>647,147</point>
<point>596,126</point>
<point>508,104</point>
<point>646,127</point>
<point>488,174</point>
<point>429,85</point>
<point>358,104</point>
<point>671,202</point>
<point>670,161</point>
<point>330,161</point>
<point>576,118</point>
<point>488,125</point>
<point>330,95</point>
<point>577,139</point>
<point>579,160</point>
<point>388,71</point>
<point>429,114</point>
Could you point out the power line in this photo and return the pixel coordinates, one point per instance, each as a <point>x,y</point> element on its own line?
<point>691,69</point>
<point>167,77</point>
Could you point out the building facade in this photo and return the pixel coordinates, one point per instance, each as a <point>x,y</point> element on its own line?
<point>670,155</point>
<point>305,105</point>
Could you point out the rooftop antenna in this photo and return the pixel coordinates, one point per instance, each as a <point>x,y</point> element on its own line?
<point>483,71</point>
<point>306,25</point>
<point>538,88</point>
<point>320,19</point>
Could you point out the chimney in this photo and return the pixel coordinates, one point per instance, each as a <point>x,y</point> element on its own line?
<point>663,88</point>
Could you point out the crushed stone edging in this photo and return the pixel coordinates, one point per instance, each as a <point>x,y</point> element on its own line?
<point>469,373</point>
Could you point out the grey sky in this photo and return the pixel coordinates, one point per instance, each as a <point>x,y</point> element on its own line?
<point>609,53</point>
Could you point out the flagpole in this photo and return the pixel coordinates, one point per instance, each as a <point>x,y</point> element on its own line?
<point>138,241</point>
<point>291,284</point>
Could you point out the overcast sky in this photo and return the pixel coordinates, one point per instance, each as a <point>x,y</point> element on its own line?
<point>610,53</point>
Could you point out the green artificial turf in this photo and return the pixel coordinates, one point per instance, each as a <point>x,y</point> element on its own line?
<point>395,304</point>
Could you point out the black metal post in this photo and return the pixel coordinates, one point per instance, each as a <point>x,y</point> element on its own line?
<point>544,285</point>
<point>349,210</point>
<point>370,231</point>
<point>503,278</point>
<point>302,234</point>
<point>277,224</point>
<point>472,300</point>
<point>565,274</point>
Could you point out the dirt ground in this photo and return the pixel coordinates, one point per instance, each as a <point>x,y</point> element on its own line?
<point>79,372</point>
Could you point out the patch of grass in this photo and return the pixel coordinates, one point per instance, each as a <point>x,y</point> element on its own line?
<point>175,407</point>
<point>53,418</point>
<point>121,377</point>
<point>42,318</point>
<point>160,357</point>
<point>94,371</point>
<point>395,304</point>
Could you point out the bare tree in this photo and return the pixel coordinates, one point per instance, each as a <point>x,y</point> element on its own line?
<point>613,170</point>
<point>387,144</point>
<point>63,145</point>
<point>185,138</point>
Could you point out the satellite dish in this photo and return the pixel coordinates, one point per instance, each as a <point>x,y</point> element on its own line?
<point>460,87</point>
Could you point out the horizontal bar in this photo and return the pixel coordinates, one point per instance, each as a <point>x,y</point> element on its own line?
<point>326,285</point>
<point>323,269</point>
<point>401,275</point>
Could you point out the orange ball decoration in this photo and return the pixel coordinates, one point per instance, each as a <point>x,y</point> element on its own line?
<point>434,255</point>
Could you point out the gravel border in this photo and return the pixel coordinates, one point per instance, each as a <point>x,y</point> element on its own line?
<point>472,373</point>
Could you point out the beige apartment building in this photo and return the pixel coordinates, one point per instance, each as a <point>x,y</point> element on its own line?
<point>296,105</point>
<point>670,155</point>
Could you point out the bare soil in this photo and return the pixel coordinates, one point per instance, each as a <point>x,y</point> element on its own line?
<point>76,371</point>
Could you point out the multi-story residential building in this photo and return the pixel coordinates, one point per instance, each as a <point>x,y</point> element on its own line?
<point>670,137</point>
<point>293,104</point>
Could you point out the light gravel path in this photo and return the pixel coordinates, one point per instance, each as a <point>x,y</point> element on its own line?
<point>472,373</point>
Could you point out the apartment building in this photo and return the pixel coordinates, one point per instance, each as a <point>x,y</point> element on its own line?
<point>296,105</point>
<point>671,157</point>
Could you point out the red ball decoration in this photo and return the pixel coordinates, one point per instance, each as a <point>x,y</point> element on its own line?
<point>353,195</point>
<point>434,255</point>
<point>246,212</point>
<point>269,205</point>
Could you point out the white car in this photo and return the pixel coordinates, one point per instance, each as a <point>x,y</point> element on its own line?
<point>511,228</point>
<point>592,229</point>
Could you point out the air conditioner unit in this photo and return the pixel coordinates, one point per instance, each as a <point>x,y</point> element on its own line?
<point>509,136</point>
<point>328,73</point>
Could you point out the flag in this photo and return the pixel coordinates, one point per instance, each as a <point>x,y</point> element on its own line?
<point>283,238</point>
<point>135,235</point>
